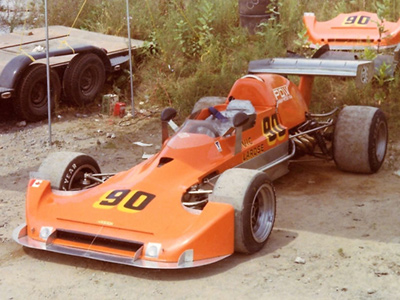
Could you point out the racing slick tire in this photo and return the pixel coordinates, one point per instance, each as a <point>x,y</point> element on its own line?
<point>206,102</point>
<point>31,101</point>
<point>360,139</point>
<point>66,170</point>
<point>252,195</point>
<point>84,78</point>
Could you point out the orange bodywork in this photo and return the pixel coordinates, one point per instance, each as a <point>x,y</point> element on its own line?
<point>352,31</point>
<point>137,218</point>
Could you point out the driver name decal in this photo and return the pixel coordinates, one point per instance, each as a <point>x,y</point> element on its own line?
<point>125,200</point>
<point>253,152</point>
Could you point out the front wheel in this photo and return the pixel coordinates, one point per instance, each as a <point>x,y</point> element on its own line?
<point>252,196</point>
<point>66,170</point>
<point>360,139</point>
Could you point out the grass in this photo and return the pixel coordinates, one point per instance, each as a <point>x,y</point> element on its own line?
<point>196,48</point>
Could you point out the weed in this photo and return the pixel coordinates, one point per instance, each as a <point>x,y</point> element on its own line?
<point>341,253</point>
<point>110,145</point>
<point>197,48</point>
<point>381,75</point>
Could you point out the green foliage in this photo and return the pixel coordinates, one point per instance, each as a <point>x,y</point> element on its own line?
<point>15,13</point>
<point>383,9</point>
<point>196,48</point>
<point>368,53</point>
<point>382,76</point>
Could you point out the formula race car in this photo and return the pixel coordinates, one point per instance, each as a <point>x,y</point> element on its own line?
<point>349,34</point>
<point>353,31</point>
<point>209,191</point>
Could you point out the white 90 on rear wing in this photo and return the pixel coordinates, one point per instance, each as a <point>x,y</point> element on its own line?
<point>361,70</point>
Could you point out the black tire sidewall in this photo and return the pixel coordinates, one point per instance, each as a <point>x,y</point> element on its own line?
<point>250,243</point>
<point>73,167</point>
<point>377,120</point>
<point>23,104</point>
<point>80,64</point>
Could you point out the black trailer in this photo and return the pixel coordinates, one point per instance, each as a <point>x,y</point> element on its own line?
<point>79,62</point>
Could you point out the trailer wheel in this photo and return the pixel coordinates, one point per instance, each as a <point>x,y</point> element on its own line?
<point>31,101</point>
<point>206,102</point>
<point>360,139</point>
<point>84,78</point>
<point>66,170</point>
<point>252,196</point>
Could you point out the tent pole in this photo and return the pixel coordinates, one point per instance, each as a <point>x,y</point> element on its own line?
<point>48,71</point>
<point>130,55</point>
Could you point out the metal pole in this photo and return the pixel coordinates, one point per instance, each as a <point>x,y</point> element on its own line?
<point>48,71</point>
<point>130,54</point>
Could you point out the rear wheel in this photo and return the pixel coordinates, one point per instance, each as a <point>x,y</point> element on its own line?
<point>253,197</point>
<point>66,170</point>
<point>360,139</point>
<point>31,101</point>
<point>84,78</point>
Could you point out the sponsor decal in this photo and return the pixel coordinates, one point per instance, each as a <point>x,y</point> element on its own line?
<point>37,183</point>
<point>106,223</point>
<point>282,94</point>
<point>218,145</point>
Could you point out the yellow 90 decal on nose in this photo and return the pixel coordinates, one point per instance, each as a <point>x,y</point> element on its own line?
<point>125,200</point>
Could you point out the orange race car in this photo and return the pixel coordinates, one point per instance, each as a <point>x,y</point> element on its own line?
<point>347,35</point>
<point>352,31</point>
<point>208,192</point>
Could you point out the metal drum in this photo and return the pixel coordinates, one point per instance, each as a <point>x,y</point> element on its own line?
<point>252,13</point>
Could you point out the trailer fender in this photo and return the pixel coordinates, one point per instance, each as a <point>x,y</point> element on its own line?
<point>16,67</point>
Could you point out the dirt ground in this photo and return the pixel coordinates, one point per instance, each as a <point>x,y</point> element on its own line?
<point>336,236</point>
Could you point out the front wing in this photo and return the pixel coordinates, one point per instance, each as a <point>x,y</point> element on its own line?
<point>185,261</point>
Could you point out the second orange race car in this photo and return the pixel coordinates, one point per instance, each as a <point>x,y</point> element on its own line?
<point>352,31</point>
<point>209,191</point>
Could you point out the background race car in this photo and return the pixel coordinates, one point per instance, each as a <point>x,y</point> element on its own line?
<point>350,34</point>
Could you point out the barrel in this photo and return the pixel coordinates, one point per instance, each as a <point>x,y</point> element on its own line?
<point>252,13</point>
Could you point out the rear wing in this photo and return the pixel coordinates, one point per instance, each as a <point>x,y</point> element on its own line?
<point>361,70</point>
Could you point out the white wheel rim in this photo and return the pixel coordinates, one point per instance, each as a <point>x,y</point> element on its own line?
<point>262,213</point>
<point>381,141</point>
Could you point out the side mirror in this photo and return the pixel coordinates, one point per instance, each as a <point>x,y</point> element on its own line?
<point>168,114</point>
<point>240,119</point>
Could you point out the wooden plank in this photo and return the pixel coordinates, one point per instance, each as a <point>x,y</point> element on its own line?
<point>60,37</point>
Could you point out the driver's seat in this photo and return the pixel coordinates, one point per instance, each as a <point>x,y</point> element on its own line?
<point>235,106</point>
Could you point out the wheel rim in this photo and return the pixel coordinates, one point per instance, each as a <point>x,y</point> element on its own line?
<point>262,213</point>
<point>76,182</point>
<point>39,94</point>
<point>381,141</point>
<point>88,80</point>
